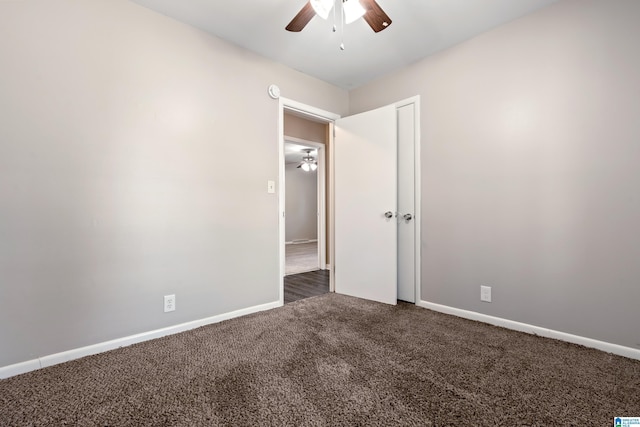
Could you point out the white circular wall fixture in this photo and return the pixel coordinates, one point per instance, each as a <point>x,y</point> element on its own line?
<point>274,91</point>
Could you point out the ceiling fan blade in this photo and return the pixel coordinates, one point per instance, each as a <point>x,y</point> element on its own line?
<point>302,18</point>
<point>377,19</point>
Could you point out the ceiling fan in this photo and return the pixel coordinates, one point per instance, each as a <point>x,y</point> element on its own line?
<point>308,163</point>
<point>377,19</point>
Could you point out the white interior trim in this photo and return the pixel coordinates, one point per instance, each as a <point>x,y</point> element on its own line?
<point>20,368</point>
<point>308,111</point>
<point>301,141</point>
<point>321,205</point>
<point>417,252</point>
<point>620,350</point>
<point>332,216</point>
<point>65,356</point>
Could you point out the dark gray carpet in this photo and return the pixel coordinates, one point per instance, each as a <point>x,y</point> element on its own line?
<point>328,361</point>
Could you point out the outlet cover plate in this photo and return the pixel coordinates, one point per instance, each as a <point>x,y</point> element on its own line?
<point>169,303</point>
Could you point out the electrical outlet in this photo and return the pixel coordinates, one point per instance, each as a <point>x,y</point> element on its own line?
<point>169,303</point>
<point>485,293</point>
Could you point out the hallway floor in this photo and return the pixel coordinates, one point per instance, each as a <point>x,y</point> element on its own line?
<point>301,257</point>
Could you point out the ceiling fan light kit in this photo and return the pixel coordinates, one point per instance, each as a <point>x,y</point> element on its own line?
<point>322,7</point>
<point>352,10</point>
<point>308,162</point>
<point>308,167</point>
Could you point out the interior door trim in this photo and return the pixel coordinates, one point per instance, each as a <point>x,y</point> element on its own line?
<point>415,100</point>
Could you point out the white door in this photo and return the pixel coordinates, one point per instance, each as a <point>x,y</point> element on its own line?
<point>365,174</point>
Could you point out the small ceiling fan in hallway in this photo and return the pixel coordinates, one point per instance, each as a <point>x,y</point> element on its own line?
<point>370,10</point>
<point>308,163</point>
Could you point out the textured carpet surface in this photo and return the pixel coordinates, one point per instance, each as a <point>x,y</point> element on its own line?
<point>328,361</point>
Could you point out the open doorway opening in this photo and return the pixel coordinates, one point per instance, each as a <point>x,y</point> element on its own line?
<point>305,227</point>
<point>302,207</point>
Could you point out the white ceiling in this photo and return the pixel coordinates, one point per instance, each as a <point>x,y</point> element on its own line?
<point>420,28</point>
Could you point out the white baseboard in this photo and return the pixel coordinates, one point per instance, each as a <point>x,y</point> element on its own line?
<point>620,350</point>
<point>19,368</point>
<point>65,356</point>
<point>328,267</point>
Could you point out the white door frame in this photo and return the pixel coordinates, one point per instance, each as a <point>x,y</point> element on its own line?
<point>329,117</point>
<point>314,114</point>
<point>321,195</point>
<point>415,100</point>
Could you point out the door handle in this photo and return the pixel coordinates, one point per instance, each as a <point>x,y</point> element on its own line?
<point>407,217</point>
<point>388,214</point>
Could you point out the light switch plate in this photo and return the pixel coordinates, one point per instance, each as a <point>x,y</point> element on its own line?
<point>271,187</point>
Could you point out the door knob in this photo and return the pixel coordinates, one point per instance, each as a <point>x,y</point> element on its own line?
<point>388,214</point>
<point>408,217</point>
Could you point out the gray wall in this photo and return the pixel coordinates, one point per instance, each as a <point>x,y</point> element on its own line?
<point>134,158</point>
<point>530,169</point>
<point>301,203</point>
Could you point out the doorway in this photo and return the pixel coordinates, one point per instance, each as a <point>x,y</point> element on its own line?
<point>305,236</point>
<point>413,245</point>
<point>305,201</point>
